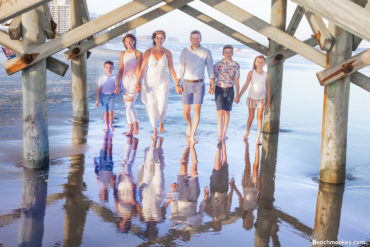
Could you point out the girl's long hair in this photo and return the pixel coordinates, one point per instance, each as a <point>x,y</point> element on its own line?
<point>255,59</point>
<point>129,35</point>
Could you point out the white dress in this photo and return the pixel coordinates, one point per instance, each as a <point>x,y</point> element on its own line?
<point>155,89</point>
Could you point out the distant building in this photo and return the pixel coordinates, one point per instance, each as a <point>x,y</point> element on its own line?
<point>60,10</point>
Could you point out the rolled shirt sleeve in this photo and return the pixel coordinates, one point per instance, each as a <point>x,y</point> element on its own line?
<point>181,71</point>
<point>209,63</point>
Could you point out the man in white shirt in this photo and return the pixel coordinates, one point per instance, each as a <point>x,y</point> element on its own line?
<point>193,61</point>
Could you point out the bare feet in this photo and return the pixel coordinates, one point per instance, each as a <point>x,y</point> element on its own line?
<point>220,138</point>
<point>154,136</point>
<point>136,128</point>
<point>106,129</point>
<point>161,127</point>
<point>259,142</point>
<point>193,140</point>
<point>111,128</point>
<point>129,132</point>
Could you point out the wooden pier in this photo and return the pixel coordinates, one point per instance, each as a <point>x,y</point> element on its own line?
<point>32,36</point>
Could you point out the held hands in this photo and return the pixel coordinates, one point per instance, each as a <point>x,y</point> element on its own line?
<point>117,90</point>
<point>178,89</point>
<point>237,99</point>
<point>211,89</point>
<point>138,87</point>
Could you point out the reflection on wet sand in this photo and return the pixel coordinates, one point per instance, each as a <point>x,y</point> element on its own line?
<point>104,168</point>
<point>219,201</point>
<point>328,210</point>
<point>34,191</point>
<point>184,195</point>
<point>151,186</point>
<point>266,225</point>
<point>76,205</point>
<point>125,189</point>
<point>248,202</point>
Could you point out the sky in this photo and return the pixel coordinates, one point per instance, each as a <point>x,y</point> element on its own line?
<point>178,24</point>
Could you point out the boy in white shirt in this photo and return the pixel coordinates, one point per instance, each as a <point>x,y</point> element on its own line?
<point>105,95</point>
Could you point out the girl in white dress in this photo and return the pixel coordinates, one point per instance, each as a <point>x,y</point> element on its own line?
<point>129,67</point>
<point>259,80</point>
<point>155,87</point>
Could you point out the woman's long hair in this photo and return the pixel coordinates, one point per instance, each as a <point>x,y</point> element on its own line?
<point>156,33</point>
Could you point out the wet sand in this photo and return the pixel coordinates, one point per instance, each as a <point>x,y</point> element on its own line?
<point>62,205</point>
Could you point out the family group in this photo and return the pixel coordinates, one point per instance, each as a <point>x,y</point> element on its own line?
<point>150,74</point>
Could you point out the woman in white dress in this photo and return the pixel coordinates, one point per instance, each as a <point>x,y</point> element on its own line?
<point>155,87</point>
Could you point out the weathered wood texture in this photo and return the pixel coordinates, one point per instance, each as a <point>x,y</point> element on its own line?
<point>335,113</point>
<point>271,121</point>
<point>224,29</point>
<point>34,191</point>
<point>52,64</point>
<point>47,22</point>
<point>264,28</point>
<point>345,68</point>
<point>56,66</point>
<point>320,30</point>
<point>78,67</point>
<point>357,40</point>
<point>35,118</point>
<point>328,212</point>
<point>69,38</point>
<point>285,53</point>
<point>346,14</point>
<point>15,28</point>
<point>111,34</point>
<point>361,80</point>
<point>296,19</point>
<point>11,8</point>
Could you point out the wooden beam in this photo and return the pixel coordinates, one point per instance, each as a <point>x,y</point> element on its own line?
<point>47,22</point>
<point>271,122</point>
<point>344,69</point>
<point>224,29</point>
<point>80,100</point>
<point>11,8</point>
<point>345,14</point>
<point>268,30</point>
<point>35,118</point>
<point>15,28</point>
<point>296,19</point>
<point>320,30</point>
<point>52,64</point>
<point>14,45</point>
<point>335,113</point>
<point>281,56</point>
<point>361,80</point>
<point>357,40</point>
<point>75,35</point>
<point>111,34</point>
<point>56,66</point>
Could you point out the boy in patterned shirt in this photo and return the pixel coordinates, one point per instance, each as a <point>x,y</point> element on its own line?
<point>227,74</point>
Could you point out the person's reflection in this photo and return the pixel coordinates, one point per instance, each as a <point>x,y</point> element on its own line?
<point>250,182</point>
<point>328,210</point>
<point>104,168</point>
<point>219,201</point>
<point>125,190</point>
<point>185,193</point>
<point>34,191</point>
<point>151,188</point>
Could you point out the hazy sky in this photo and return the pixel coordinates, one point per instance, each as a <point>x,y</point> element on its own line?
<point>178,24</point>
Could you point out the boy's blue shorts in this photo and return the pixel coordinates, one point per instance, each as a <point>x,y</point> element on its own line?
<point>108,102</point>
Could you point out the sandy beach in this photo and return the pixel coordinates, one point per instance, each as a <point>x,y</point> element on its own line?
<point>290,196</point>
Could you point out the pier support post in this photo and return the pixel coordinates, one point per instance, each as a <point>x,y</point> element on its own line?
<point>80,99</point>
<point>271,121</point>
<point>35,120</point>
<point>335,113</point>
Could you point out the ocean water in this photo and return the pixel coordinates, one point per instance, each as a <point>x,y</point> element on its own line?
<point>156,193</point>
